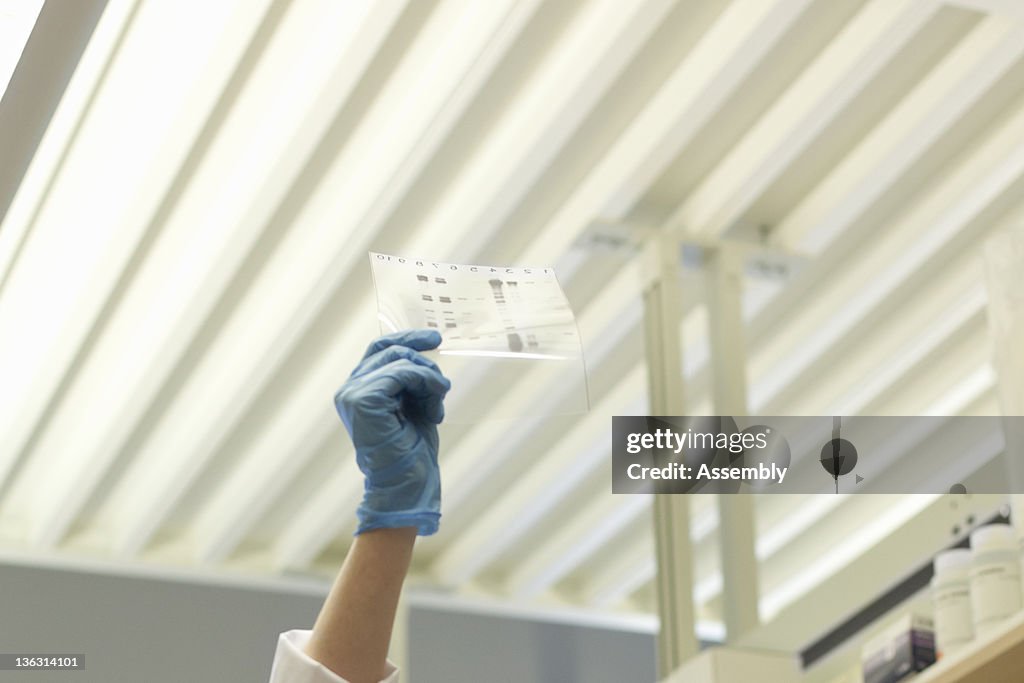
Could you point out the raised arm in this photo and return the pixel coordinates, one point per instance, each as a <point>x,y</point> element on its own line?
<point>353,630</point>
<point>391,406</point>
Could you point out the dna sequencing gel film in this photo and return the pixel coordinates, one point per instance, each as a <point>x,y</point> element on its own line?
<point>510,343</point>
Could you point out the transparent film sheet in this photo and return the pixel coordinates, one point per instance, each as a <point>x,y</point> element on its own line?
<point>510,343</point>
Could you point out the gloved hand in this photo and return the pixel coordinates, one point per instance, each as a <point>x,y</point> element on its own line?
<point>391,405</point>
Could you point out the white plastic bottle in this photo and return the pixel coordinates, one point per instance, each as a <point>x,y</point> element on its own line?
<point>951,599</point>
<point>995,581</point>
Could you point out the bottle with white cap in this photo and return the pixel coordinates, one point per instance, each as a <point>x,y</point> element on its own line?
<point>951,598</point>
<point>995,582</point>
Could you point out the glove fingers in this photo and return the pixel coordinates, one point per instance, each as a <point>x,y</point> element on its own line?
<point>429,408</point>
<point>434,409</point>
<point>389,355</point>
<point>414,380</point>
<point>419,388</point>
<point>420,340</point>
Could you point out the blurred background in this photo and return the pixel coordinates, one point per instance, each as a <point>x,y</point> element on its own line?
<point>188,191</point>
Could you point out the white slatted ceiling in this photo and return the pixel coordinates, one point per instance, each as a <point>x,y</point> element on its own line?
<point>193,284</point>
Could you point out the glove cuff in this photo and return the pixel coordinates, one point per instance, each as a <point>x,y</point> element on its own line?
<point>426,522</point>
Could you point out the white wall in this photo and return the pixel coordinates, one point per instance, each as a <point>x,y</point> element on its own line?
<point>144,630</point>
<point>464,648</point>
<point>135,630</point>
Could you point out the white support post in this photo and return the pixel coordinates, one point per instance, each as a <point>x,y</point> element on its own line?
<point>677,640</point>
<point>724,272</point>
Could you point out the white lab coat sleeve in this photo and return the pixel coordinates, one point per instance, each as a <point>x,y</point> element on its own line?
<point>293,665</point>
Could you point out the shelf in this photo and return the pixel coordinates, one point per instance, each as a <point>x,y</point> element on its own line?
<point>997,658</point>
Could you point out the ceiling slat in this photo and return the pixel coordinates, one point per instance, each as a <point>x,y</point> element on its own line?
<point>803,112</point>
<point>573,542</point>
<point>315,524</point>
<point>917,124</point>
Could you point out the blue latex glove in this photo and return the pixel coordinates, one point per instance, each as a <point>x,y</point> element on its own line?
<point>391,406</point>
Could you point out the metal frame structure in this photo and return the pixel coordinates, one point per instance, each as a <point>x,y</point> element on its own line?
<point>723,266</point>
<point>737,532</point>
<point>677,639</point>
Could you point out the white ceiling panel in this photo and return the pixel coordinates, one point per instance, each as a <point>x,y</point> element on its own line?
<point>183,275</point>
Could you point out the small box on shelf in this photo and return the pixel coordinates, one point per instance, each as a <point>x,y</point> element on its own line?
<point>906,647</point>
